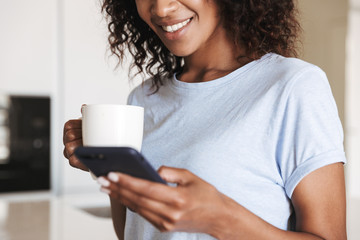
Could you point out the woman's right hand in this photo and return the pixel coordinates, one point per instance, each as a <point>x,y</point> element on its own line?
<point>72,139</point>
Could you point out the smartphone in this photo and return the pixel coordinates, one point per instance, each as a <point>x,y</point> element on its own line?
<point>102,160</point>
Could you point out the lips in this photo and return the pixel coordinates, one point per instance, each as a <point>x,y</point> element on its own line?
<point>175,27</point>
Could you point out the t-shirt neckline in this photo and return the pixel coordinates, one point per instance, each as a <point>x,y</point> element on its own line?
<point>175,83</point>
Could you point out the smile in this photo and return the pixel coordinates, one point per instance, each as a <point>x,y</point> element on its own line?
<point>175,27</point>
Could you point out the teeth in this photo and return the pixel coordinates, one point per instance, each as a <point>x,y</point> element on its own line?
<point>175,27</point>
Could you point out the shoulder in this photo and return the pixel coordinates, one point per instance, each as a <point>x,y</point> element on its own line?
<point>137,95</point>
<point>146,91</point>
<point>294,76</point>
<point>144,87</point>
<point>290,68</point>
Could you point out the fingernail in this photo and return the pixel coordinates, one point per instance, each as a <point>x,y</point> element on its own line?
<point>103,182</point>
<point>105,190</point>
<point>82,106</point>
<point>113,177</point>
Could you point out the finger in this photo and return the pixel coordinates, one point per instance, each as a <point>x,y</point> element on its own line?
<point>159,222</point>
<point>81,109</point>
<point>72,135</point>
<point>154,218</point>
<point>69,154</point>
<point>141,204</point>
<point>71,146</point>
<point>65,153</point>
<point>71,125</point>
<point>156,191</point>
<point>75,162</point>
<point>162,224</point>
<point>176,175</point>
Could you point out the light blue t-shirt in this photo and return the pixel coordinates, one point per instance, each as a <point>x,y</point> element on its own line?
<point>254,134</point>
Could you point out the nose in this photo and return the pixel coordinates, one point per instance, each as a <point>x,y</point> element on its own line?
<point>162,8</point>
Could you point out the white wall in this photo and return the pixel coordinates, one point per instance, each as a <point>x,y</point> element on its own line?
<point>26,49</point>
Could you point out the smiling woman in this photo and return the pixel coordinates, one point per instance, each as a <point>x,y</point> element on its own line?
<point>258,28</point>
<point>250,135</point>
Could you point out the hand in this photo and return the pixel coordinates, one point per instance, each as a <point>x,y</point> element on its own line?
<point>192,206</point>
<point>72,139</point>
<point>196,206</point>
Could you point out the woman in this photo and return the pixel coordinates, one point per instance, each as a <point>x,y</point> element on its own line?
<point>250,137</point>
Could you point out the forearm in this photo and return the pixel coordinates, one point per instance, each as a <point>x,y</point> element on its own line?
<point>236,222</point>
<point>118,213</point>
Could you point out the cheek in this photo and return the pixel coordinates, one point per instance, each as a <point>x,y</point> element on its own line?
<point>143,11</point>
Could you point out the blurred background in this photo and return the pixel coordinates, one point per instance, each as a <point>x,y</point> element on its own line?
<point>54,58</point>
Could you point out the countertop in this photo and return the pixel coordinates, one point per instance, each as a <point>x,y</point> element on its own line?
<point>83,217</point>
<point>55,218</point>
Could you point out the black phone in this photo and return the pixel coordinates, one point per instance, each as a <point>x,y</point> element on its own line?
<point>102,160</point>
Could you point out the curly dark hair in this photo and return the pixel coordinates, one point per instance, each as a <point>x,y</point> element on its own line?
<point>261,26</point>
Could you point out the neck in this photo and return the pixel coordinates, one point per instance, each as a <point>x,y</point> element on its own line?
<point>216,60</point>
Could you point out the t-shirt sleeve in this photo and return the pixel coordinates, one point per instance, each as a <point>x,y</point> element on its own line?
<point>130,98</point>
<point>135,95</point>
<point>138,95</point>
<point>311,135</point>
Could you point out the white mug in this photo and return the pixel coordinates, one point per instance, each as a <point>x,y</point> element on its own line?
<point>110,125</point>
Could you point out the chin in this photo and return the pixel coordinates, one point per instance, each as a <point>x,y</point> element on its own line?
<point>180,52</point>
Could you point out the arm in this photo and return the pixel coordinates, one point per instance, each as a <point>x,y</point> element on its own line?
<point>196,206</point>
<point>118,214</point>
<point>320,207</point>
<point>320,203</point>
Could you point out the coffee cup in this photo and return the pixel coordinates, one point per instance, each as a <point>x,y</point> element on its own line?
<point>110,125</point>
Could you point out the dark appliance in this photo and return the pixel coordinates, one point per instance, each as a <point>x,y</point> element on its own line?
<point>28,165</point>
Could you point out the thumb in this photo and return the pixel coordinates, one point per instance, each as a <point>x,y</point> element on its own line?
<point>82,106</point>
<point>175,175</point>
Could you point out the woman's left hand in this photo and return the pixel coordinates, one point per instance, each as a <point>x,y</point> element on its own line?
<point>192,206</point>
